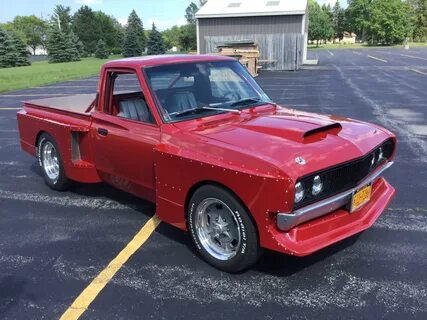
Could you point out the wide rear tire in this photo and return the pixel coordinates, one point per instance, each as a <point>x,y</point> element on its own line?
<point>51,163</point>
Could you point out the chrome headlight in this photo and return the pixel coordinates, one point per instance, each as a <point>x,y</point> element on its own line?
<point>299,192</point>
<point>317,186</point>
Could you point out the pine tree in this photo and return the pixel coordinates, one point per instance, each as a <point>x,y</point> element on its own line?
<point>7,50</point>
<point>21,51</point>
<point>101,50</point>
<point>78,44</point>
<point>61,47</point>
<point>56,46</point>
<point>338,21</point>
<point>131,46</point>
<point>135,25</point>
<point>71,50</point>
<point>155,43</point>
<point>13,52</point>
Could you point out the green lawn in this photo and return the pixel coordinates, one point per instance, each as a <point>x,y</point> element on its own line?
<point>330,46</point>
<point>42,72</point>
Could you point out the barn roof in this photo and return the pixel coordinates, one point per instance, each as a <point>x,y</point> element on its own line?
<point>250,8</point>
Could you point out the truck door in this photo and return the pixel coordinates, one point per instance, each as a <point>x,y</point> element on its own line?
<point>124,134</point>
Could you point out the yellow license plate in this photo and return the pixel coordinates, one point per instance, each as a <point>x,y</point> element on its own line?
<point>361,197</point>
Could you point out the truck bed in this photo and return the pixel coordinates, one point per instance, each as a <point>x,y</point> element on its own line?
<point>77,104</point>
<point>64,119</point>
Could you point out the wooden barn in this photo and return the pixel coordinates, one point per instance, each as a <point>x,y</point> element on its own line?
<point>278,27</point>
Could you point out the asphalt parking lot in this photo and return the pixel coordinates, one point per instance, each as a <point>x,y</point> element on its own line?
<point>53,244</point>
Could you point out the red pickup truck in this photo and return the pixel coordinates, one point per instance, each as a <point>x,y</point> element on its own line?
<point>198,136</point>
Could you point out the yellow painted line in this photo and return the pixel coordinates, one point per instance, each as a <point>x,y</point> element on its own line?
<point>7,108</point>
<point>418,71</point>
<point>413,57</point>
<point>379,59</point>
<point>89,294</point>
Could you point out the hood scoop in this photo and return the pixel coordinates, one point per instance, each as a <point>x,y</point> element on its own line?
<point>322,129</point>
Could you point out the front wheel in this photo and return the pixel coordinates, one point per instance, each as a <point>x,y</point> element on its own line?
<point>222,229</point>
<point>51,163</point>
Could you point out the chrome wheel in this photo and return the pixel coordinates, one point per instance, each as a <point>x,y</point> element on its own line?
<point>50,161</point>
<point>217,229</point>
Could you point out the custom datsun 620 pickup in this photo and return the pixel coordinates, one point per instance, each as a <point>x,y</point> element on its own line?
<point>197,136</point>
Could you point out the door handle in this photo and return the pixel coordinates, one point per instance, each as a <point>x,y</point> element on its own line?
<point>102,131</point>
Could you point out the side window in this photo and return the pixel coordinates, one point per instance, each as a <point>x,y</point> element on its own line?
<point>126,98</point>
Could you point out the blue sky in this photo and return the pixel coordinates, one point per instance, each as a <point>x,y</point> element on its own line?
<point>164,13</point>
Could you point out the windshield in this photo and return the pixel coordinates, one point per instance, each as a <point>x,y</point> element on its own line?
<point>192,90</point>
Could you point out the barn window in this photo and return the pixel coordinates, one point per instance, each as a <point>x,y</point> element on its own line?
<point>234,4</point>
<point>272,3</point>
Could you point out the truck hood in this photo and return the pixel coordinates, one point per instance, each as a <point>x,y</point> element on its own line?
<point>282,137</point>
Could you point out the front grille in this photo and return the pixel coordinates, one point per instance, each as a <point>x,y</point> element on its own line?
<point>345,176</point>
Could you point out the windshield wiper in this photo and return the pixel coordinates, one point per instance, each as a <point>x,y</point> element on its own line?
<point>201,109</point>
<point>245,101</point>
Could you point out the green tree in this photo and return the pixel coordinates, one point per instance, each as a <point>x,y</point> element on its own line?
<point>31,29</point>
<point>190,12</point>
<point>101,50</point>
<point>419,19</point>
<point>77,44</point>
<point>71,48</point>
<point>131,46</point>
<point>389,22</point>
<point>61,47</point>
<point>155,44</point>
<point>320,25</point>
<point>188,37</point>
<point>62,18</point>
<point>135,27</point>
<point>132,36</point>
<point>13,51</point>
<point>358,15</point>
<point>338,21</point>
<point>110,30</point>
<point>87,28</point>
<point>21,56</point>
<point>7,50</point>
<point>118,37</point>
<point>171,37</point>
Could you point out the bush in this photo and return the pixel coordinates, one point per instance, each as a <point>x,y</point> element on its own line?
<point>117,51</point>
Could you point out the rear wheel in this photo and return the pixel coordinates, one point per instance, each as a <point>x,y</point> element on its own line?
<point>222,229</point>
<point>51,163</point>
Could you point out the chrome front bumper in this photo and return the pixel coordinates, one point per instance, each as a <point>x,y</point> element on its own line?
<point>286,221</point>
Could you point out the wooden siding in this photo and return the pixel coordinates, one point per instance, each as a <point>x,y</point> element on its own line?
<point>249,25</point>
<point>280,38</point>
